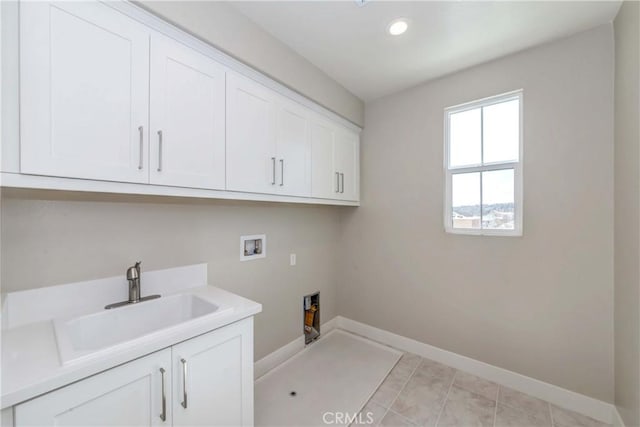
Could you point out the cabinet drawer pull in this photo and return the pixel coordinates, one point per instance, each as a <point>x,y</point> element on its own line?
<point>281,172</point>
<point>159,151</point>
<point>337,182</point>
<point>163,415</point>
<point>184,383</point>
<point>141,132</point>
<point>342,187</point>
<point>273,171</point>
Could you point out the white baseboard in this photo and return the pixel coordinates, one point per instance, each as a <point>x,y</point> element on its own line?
<point>274,359</point>
<point>287,351</point>
<point>617,419</point>
<point>594,408</point>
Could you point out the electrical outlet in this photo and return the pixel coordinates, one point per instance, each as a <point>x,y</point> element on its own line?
<point>292,259</point>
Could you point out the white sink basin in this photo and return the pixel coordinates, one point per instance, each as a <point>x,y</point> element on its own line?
<point>86,336</point>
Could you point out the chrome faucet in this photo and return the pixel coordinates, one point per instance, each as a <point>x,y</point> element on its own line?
<point>133,276</point>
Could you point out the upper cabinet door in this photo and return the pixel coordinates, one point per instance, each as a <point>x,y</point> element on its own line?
<point>335,153</point>
<point>187,117</point>
<point>293,150</point>
<point>84,92</point>
<point>325,179</point>
<point>346,159</point>
<point>252,163</point>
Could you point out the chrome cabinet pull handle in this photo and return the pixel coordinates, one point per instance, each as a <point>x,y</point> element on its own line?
<point>184,383</point>
<point>141,132</point>
<point>342,188</point>
<point>163,415</point>
<point>281,172</point>
<point>273,171</point>
<point>159,151</point>
<point>337,182</point>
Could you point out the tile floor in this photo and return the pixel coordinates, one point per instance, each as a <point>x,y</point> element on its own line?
<point>421,392</point>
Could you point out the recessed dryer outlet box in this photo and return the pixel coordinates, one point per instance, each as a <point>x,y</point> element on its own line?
<point>253,247</point>
<point>311,317</point>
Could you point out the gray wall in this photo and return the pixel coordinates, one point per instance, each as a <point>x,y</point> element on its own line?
<point>627,213</point>
<point>51,238</point>
<point>221,25</point>
<point>540,305</point>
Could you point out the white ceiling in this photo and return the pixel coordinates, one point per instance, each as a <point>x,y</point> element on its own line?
<point>350,42</point>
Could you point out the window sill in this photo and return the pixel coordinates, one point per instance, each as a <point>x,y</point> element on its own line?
<point>490,233</point>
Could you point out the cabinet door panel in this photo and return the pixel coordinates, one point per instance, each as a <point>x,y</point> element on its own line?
<point>128,395</point>
<point>84,92</point>
<point>293,151</point>
<point>219,378</point>
<point>346,161</point>
<point>251,152</point>
<point>324,181</point>
<point>188,107</point>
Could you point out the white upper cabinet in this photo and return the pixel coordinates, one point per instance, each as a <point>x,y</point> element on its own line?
<point>346,160</point>
<point>251,136</point>
<point>105,97</point>
<point>324,178</point>
<point>268,146</point>
<point>84,92</point>
<point>335,161</point>
<point>293,150</point>
<point>187,117</point>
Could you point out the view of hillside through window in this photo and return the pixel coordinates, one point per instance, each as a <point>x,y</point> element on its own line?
<point>497,208</point>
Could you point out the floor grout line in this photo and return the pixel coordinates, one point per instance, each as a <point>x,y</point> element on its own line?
<point>406,382</point>
<point>444,402</point>
<point>386,411</point>
<point>495,412</point>
<point>551,415</point>
<point>403,386</point>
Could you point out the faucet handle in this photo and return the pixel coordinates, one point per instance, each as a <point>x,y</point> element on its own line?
<point>134,272</point>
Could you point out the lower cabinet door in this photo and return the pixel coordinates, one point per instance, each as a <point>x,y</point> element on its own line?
<point>128,395</point>
<point>213,378</point>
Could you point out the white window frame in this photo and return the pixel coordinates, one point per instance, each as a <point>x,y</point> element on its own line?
<point>516,166</point>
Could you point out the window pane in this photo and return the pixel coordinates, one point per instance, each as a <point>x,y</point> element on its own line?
<point>465,198</point>
<point>498,199</point>
<point>464,138</point>
<point>501,131</point>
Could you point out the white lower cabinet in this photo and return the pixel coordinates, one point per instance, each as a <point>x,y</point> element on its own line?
<point>213,379</point>
<point>128,395</point>
<point>204,381</point>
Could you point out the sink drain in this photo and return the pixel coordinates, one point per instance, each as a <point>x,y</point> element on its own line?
<point>293,394</point>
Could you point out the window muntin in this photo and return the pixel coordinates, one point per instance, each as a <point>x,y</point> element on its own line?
<point>483,166</point>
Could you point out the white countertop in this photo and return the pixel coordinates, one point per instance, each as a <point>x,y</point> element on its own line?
<point>31,364</point>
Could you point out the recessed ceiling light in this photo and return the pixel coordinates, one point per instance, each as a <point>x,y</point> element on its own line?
<point>398,26</point>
